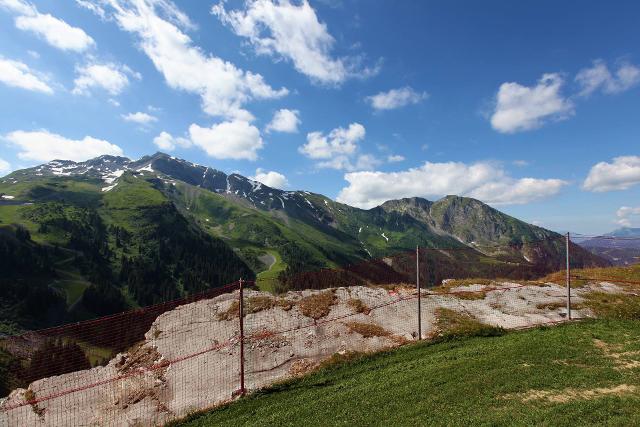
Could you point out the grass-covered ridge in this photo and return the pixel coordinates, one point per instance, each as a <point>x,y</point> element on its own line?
<point>577,374</point>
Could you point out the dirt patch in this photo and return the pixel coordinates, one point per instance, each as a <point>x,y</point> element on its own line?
<point>571,394</point>
<point>317,305</point>
<point>622,359</point>
<point>368,330</point>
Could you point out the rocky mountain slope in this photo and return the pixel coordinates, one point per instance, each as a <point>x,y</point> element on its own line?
<point>120,233</point>
<point>189,358</point>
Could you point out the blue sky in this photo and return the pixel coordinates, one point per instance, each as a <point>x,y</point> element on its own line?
<point>532,107</point>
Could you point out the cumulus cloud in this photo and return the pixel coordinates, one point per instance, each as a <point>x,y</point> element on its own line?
<point>54,31</point>
<point>294,32</point>
<point>628,216</point>
<point>165,141</point>
<point>18,74</point>
<point>139,118</point>
<point>271,178</point>
<point>4,166</point>
<point>621,173</point>
<point>43,146</point>
<point>108,76</point>
<point>284,121</point>
<point>598,77</point>
<point>396,98</point>
<point>228,140</point>
<point>339,149</point>
<point>222,87</point>
<point>340,141</point>
<point>482,180</point>
<point>520,108</point>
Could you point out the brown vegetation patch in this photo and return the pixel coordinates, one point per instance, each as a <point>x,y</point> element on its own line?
<point>358,306</point>
<point>556,305</point>
<point>230,313</point>
<point>451,323</point>
<point>30,398</point>
<point>260,303</point>
<point>139,356</point>
<point>368,330</point>
<point>613,306</point>
<point>605,274</point>
<point>471,295</point>
<point>317,305</point>
<point>302,367</point>
<point>571,394</point>
<point>622,359</point>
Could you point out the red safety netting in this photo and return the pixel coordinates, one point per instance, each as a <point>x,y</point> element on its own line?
<point>156,364</point>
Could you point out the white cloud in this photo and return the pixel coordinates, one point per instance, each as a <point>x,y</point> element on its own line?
<point>44,146</point>
<point>18,6</point>
<point>622,173</point>
<point>339,149</point>
<point>521,108</point>
<point>598,77</point>
<point>18,74</point>
<point>54,31</point>
<point>628,216</point>
<point>4,166</point>
<point>165,141</point>
<point>482,180</point>
<point>93,7</point>
<point>108,76</point>
<point>293,32</point>
<point>396,98</point>
<point>394,158</point>
<point>284,121</point>
<point>223,87</point>
<point>140,118</point>
<point>228,140</point>
<point>271,178</point>
<point>339,141</point>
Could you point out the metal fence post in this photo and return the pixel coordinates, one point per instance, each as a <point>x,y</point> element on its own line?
<point>419,293</point>
<point>568,278</point>
<point>241,316</point>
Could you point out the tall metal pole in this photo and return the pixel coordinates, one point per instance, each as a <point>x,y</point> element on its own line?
<point>419,293</point>
<point>241,315</point>
<point>568,278</point>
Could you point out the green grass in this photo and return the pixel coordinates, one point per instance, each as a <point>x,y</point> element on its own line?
<point>73,289</point>
<point>267,279</point>
<point>473,381</point>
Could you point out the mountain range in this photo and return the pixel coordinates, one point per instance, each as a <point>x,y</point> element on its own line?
<point>80,239</point>
<point>621,246</point>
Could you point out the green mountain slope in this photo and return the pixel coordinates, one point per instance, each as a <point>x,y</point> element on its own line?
<point>132,233</point>
<point>123,248</point>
